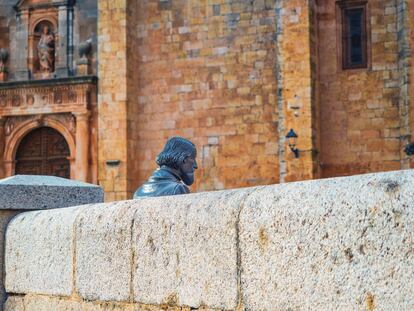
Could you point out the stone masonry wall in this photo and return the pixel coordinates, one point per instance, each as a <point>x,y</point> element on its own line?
<point>112,98</point>
<point>6,10</point>
<point>297,97</point>
<point>331,244</point>
<point>204,70</point>
<point>360,124</point>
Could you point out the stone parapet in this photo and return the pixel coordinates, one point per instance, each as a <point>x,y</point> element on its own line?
<point>22,193</point>
<point>332,244</point>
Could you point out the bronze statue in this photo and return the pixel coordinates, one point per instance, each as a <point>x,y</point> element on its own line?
<point>46,50</point>
<point>177,163</point>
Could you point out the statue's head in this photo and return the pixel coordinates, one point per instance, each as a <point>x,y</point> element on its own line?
<point>46,29</point>
<point>180,154</point>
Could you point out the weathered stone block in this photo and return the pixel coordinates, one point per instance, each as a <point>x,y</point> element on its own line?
<point>186,250</point>
<point>39,252</point>
<point>333,244</point>
<point>103,252</point>
<point>29,192</point>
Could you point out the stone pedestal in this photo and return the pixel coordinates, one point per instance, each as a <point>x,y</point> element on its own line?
<point>23,193</point>
<point>83,67</point>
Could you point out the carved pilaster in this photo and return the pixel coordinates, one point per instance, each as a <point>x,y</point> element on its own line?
<point>82,145</point>
<point>2,146</point>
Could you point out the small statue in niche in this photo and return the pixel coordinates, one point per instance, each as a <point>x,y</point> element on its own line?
<point>46,50</point>
<point>177,165</point>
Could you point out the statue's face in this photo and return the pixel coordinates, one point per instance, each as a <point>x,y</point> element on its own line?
<point>187,170</point>
<point>46,30</point>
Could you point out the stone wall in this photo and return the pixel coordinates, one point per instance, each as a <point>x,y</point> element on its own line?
<point>112,98</point>
<point>6,10</point>
<point>332,244</point>
<point>360,115</point>
<point>204,70</point>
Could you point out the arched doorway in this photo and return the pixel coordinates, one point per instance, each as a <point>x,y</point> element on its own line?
<point>43,151</point>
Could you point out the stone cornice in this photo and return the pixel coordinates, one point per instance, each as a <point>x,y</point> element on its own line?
<point>23,5</point>
<point>48,82</point>
<point>47,96</point>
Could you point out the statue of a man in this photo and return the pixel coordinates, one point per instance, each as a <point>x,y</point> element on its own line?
<point>177,163</point>
<point>46,50</point>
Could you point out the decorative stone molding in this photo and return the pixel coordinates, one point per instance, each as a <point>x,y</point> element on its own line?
<point>50,96</point>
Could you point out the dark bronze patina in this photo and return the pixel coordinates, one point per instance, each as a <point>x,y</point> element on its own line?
<point>409,149</point>
<point>177,163</point>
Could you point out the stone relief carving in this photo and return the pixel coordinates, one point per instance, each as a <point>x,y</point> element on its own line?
<point>9,126</point>
<point>72,96</point>
<point>16,100</point>
<point>3,100</point>
<point>57,97</point>
<point>30,100</point>
<point>46,50</point>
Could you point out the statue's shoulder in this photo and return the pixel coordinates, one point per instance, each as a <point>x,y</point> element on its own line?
<point>180,188</point>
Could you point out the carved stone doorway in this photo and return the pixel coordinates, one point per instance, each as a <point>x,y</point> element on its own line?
<point>43,151</point>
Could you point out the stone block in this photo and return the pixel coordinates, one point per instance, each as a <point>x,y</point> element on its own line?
<point>186,250</point>
<point>14,303</point>
<point>333,244</point>
<point>39,252</point>
<point>30,192</point>
<point>103,252</point>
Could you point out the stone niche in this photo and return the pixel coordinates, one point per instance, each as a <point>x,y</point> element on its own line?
<point>43,40</point>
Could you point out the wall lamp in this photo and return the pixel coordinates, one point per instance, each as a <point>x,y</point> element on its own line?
<point>292,138</point>
<point>409,149</point>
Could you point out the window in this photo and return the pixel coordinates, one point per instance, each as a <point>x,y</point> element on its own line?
<point>354,35</point>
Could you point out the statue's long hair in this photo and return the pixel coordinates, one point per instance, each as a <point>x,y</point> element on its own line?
<point>176,150</point>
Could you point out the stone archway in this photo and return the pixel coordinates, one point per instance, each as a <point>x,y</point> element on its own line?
<point>43,151</point>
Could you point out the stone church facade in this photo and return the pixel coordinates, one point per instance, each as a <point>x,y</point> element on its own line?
<point>91,90</point>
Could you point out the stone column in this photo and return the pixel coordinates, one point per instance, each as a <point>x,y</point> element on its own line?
<point>22,193</point>
<point>61,65</point>
<point>20,54</point>
<point>2,146</point>
<point>82,145</point>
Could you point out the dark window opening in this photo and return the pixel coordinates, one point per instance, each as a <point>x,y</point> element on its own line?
<point>354,38</point>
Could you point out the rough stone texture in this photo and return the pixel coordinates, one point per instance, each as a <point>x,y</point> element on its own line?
<point>190,246</point>
<point>29,192</point>
<point>5,217</point>
<point>47,303</point>
<point>296,81</point>
<point>331,244</point>
<point>39,252</point>
<point>103,252</point>
<point>334,244</point>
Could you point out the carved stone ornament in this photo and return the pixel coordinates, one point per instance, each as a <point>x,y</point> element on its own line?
<point>16,100</point>
<point>30,100</point>
<point>9,126</point>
